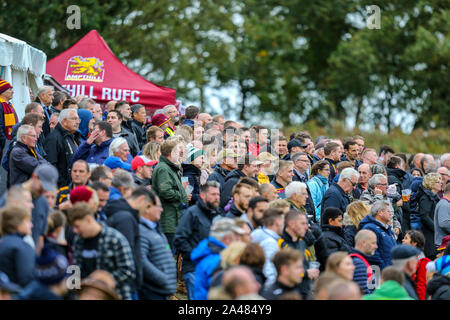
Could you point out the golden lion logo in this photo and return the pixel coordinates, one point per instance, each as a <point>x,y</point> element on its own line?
<point>84,69</point>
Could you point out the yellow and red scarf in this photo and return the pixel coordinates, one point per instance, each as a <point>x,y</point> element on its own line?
<point>10,117</point>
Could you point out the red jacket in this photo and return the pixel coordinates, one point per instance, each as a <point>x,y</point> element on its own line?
<point>420,278</point>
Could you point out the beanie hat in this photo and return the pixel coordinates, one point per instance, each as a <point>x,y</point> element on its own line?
<point>51,267</point>
<point>441,265</point>
<point>160,119</point>
<point>193,154</point>
<point>81,194</point>
<point>4,85</point>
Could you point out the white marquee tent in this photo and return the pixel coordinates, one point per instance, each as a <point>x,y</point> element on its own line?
<point>23,66</point>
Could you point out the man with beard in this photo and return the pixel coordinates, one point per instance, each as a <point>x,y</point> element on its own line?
<point>255,211</point>
<point>194,226</point>
<point>242,193</point>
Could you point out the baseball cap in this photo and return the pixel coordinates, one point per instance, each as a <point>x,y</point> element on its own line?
<point>404,251</point>
<point>7,285</point>
<point>115,162</point>
<point>140,161</point>
<point>226,224</point>
<point>266,156</point>
<point>48,175</point>
<point>295,143</point>
<point>226,153</point>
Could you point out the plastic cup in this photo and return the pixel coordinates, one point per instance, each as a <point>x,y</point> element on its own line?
<point>314,265</point>
<point>184,179</point>
<point>406,195</point>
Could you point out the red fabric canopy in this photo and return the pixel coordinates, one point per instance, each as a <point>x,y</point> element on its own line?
<point>90,68</point>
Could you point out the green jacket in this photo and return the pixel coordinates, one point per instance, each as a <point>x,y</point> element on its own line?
<point>390,290</point>
<point>166,182</point>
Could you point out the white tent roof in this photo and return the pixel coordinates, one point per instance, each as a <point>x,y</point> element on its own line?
<point>23,66</point>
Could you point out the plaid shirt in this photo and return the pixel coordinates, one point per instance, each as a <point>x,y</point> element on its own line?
<point>113,255</point>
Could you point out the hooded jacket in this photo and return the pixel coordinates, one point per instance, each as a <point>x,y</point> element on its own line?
<point>385,240</point>
<point>390,290</point>
<point>331,240</point>
<point>60,147</point>
<point>93,153</point>
<point>193,174</point>
<point>230,180</point>
<point>206,256</point>
<point>439,287</point>
<point>194,226</point>
<point>219,175</point>
<point>397,176</point>
<point>166,182</point>
<point>318,185</point>
<point>85,117</point>
<point>122,217</point>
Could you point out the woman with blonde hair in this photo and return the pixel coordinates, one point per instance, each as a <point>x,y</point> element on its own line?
<point>427,199</point>
<point>152,150</point>
<point>210,162</point>
<point>356,211</point>
<point>229,257</point>
<point>341,264</point>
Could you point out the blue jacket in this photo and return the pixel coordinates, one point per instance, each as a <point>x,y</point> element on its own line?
<point>335,197</point>
<point>92,153</point>
<point>318,185</point>
<point>85,117</point>
<point>17,259</point>
<point>207,257</point>
<point>219,175</point>
<point>360,275</point>
<point>385,240</point>
<point>159,268</point>
<point>37,291</point>
<point>22,162</point>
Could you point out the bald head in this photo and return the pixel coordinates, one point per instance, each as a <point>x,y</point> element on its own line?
<point>344,290</point>
<point>364,174</point>
<point>366,242</point>
<point>204,118</point>
<point>443,171</point>
<point>240,281</point>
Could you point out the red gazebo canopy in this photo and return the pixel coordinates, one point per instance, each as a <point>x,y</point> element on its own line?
<point>90,68</point>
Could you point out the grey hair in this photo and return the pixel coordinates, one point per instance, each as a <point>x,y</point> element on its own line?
<point>166,108</point>
<point>158,112</point>
<point>348,173</point>
<point>297,155</point>
<point>295,187</point>
<point>43,89</point>
<point>400,263</point>
<point>222,234</point>
<point>376,179</point>
<point>445,157</point>
<point>65,114</point>
<point>115,145</point>
<point>377,206</point>
<point>22,131</point>
<point>122,178</point>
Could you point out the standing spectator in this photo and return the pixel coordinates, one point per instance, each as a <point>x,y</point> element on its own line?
<point>332,238</point>
<point>62,143</point>
<point>152,150</point>
<point>337,195</point>
<point>45,98</point>
<point>268,237</point>
<point>439,287</point>
<point>386,152</point>
<point>166,182</point>
<point>247,167</point>
<point>369,156</point>
<point>427,199</point>
<point>96,148</point>
<point>318,185</point>
<point>102,174</point>
<point>115,119</point>
<point>391,288</point>
<point>356,211</point>
<point>293,147</point>
<point>301,166</point>
<point>444,172</point>
<point>98,246</point>
<point>24,158</point>
<point>226,162</point>
<point>255,212</point>
<point>143,170</point>
<point>260,143</point>
<point>352,149</point>
<point>280,146</point>
<point>17,258</point>
<point>283,177</point>
<point>296,195</point>
<point>206,255</point>
<point>268,191</point>
<point>333,154</point>
<point>155,134</point>
<point>405,258</point>
<point>191,114</point>
<point>378,222</point>
<point>254,258</point>
<point>416,239</point>
<point>162,121</point>
<point>266,173</point>
<point>8,116</point>
<point>240,283</point>
<point>289,267</point>
<point>341,264</point>
<point>125,110</point>
<point>119,155</point>
<point>194,226</point>
<point>159,268</point>
<point>172,112</point>
<point>192,170</point>
<point>80,176</point>
<point>442,217</point>
<point>363,181</point>
<point>396,174</point>
<point>51,274</point>
<point>242,193</point>
<point>365,247</point>
<point>204,118</point>
<point>138,124</point>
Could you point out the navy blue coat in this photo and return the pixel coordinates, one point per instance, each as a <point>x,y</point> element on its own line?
<point>219,175</point>
<point>22,163</point>
<point>92,153</point>
<point>360,275</point>
<point>17,259</point>
<point>193,174</point>
<point>334,197</point>
<point>385,240</point>
<point>230,180</point>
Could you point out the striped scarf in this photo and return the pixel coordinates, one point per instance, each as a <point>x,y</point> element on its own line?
<point>10,117</point>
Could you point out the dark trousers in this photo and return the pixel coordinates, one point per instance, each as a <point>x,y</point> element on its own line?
<point>170,237</point>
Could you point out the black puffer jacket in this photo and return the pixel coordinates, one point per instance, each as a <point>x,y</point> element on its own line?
<point>426,203</point>
<point>330,241</point>
<point>193,174</point>
<point>193,227</point>
<point>439,287</point>
<point>230,180</point>
<point>139,133</point>
<point>122,217</point>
